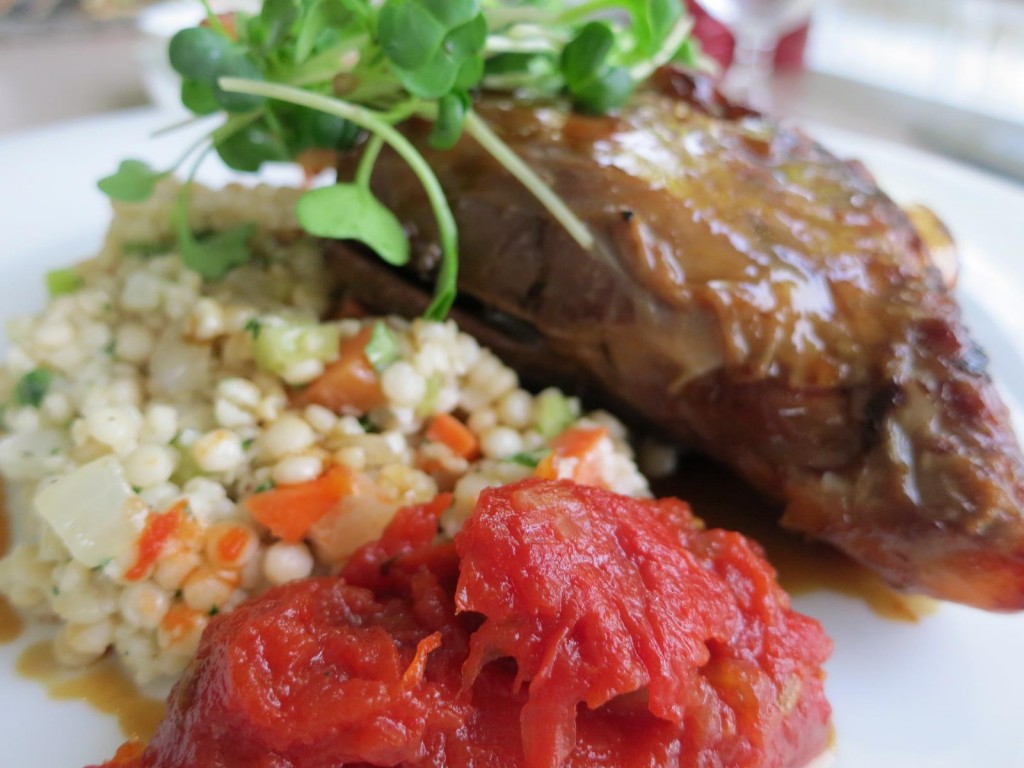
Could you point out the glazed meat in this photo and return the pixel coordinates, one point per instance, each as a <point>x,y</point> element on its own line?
<point>748,294</point>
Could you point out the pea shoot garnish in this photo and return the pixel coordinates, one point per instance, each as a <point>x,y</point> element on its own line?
<point>305,75</point>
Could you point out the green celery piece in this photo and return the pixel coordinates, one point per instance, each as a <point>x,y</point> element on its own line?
<point>62,281</point>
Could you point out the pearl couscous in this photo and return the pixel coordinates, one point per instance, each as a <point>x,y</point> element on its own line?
<point>178,452</point>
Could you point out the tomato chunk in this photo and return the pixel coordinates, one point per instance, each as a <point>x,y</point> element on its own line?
<point>566,627</point>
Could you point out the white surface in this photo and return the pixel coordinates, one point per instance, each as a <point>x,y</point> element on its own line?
<point>944,693</point>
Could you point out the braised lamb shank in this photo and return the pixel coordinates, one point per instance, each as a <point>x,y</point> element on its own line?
<point>750,295</point>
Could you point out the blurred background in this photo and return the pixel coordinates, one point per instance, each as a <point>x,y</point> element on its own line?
<point>947,75</point>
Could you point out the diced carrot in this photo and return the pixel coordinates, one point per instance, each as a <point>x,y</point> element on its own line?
<point>349,385</point>
<point>179,622</point>
<point>290,510</point>
<point>231,544</point>
<point>445,428</point>
<point>160,529</point>
<point>575,455</point>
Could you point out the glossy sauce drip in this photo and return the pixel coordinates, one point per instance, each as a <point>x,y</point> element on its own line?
<point>723,500</point>
<point>103,686</point>
<point>10,621</point>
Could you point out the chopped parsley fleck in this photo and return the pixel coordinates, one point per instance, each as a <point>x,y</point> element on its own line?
<point>254,326</point>
<point>530,458</point>
<point>32,387</point>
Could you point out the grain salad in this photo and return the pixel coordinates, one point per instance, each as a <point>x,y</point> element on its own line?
<point>184,444</point>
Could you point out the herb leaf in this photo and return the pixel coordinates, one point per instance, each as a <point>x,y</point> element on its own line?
<point>351,212</point>
<point>215,255</point>
<point>434,49</point>
<point>412,32</point>
<point>323,74</point>
<point>198,52</point>
<point>250,147</point>
<point>593,82</point>
<point>277,17</point>
<point>133,182</point>
<point>198,97</point>
<point>451,116</point>
<point>32,387</point>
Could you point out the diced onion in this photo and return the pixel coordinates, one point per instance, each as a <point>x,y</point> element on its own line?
<point>93,511</point>
<point>177,366</point>
<point>23,454</point>
<point>280,345</point>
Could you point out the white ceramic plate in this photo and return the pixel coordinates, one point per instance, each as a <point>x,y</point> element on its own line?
<point>943,693</point>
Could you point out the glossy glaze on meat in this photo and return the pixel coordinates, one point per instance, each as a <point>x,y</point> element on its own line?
<point>754,296</point>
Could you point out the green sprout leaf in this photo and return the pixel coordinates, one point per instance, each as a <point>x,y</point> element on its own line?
<point>451,116</point>
<point>203,55</point>
<point>250,147</point>
<point>325,74</point>
<point>593,82</point>
<point>412,32</point>
<point>653,24</point>
<point>238,64</point>
<point>351,212</point>
<point>198,52</point>
<point>328,21</point>
<point>198,97</point>
<point>429,68</point>
<point>133,182</point>
<point>321,130</point>
<point>277,18</point>
<point>215,255</point>
<point>32,387</point>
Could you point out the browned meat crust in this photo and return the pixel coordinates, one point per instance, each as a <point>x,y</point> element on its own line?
<point>756,297</point>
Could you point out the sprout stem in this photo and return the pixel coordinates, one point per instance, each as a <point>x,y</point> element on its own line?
<point>369,158</point>
<point>526,176</point>
<point>673,42</point>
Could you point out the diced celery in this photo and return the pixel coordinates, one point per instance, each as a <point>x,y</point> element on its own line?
<point>187,467</point>
<point>428,404</point>
<point>61,281</point>
<point>281,344</point>
<point>382,349</point>
<point>554,413</point>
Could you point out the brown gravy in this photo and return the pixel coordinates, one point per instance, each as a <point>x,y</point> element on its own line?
<point>10,622</point>
<point>103,686</point>
<point>725,501</point>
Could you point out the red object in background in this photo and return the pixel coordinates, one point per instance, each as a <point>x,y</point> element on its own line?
<point>718,42</point>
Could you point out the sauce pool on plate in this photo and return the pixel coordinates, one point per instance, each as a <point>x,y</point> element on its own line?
<point>723,500</point>
<point>10,622</point>
<point>104,686</point>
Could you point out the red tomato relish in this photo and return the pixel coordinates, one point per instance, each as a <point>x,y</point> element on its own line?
<point>566,626</point>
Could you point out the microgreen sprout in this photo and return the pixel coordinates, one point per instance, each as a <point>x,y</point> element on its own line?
<point>330,76</point>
